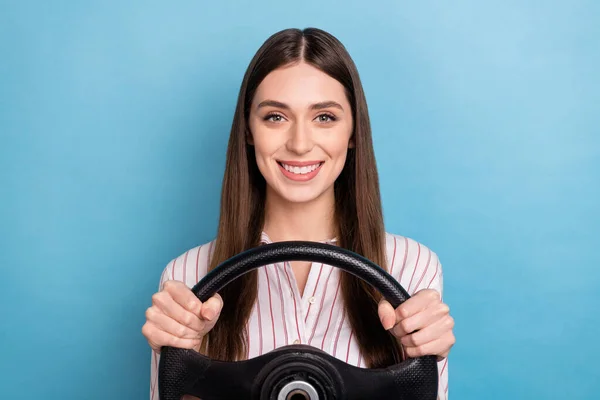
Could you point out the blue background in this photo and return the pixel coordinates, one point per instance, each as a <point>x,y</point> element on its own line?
<point>114,118</point>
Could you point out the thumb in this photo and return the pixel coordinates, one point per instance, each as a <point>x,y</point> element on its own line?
<point>212,308</point>
<point>387,315</point>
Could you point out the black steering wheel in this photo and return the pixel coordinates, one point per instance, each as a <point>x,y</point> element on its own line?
<point>295,372</point>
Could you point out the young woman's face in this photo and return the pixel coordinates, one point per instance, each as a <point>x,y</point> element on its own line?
<point>301,127</point>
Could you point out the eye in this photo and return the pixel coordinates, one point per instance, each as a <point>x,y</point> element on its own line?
<point>326,118</point>
<point>273,117</point>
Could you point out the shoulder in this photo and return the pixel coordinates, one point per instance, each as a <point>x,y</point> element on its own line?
<point>414,265</point>
<point>189,267</point>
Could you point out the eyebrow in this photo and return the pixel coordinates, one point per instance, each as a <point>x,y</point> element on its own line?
<point>317,106</point>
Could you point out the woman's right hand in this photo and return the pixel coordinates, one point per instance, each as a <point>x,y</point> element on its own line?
<point>178,319</point>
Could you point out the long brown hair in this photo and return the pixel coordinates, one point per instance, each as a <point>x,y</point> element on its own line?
<point>358,216</point>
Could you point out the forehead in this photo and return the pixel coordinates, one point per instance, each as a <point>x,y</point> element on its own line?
<point>300,85</point>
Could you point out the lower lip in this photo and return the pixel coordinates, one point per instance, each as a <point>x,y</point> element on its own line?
<point>300,177</point>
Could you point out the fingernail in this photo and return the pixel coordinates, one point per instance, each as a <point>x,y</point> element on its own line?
<point>209,314</point>
<point>388,324</point>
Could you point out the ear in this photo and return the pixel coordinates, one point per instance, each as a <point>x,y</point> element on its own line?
<point>351,143</point>
<point>249,138</point>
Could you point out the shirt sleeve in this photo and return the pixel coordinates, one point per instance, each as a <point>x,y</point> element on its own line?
<point>416,267</point>
<point>155,357</point>
<point>188,268</point>
<point>436,282</point>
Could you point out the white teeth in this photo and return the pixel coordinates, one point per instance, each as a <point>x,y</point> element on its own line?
<point>300,170</point>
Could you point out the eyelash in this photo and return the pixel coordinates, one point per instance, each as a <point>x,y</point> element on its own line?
<point>331,117</point>
<point>271,115</point>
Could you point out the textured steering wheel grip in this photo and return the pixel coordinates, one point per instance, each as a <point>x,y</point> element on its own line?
<point>277,252</point>
<point>179,369</point>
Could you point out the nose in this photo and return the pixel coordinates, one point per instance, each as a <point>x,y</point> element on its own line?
<point>300,139</point>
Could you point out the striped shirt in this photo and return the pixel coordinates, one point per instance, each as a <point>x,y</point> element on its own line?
<point>281,316</point>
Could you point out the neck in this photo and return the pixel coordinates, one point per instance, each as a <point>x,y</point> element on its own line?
<point>311,221</point>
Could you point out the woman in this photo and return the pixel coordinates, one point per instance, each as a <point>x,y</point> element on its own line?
<point>300,166</point>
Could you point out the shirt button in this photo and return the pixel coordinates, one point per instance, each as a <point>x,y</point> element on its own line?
<point>296,341</point>
<point>311,300</point>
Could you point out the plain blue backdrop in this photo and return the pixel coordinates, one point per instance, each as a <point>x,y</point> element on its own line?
<point>114,118</point>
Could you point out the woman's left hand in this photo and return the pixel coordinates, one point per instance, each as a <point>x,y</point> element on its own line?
<point>426,314</point>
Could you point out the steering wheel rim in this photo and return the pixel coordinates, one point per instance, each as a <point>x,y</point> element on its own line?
<point>178,367</point>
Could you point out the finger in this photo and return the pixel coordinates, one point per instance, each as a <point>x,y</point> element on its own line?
<point>175,311</point>
<point>421,320</point>
<point>440,347</point>
<point>183,296</point>
<point>429,333</point>
<point>169,325</point>
<point>158,338</point>
<point>212,307</point>
<point>417,303</point>
<point>386,314</point>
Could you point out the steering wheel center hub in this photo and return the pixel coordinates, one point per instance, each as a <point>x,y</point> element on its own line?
<point>298,390</point>
<point>299,375</point>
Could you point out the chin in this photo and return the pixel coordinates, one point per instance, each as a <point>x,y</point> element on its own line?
<point>299,198</point>
<point>300,195</point>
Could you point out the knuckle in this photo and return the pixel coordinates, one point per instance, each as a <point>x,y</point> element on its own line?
<point>157,298</point>
<point>405,325</point>
<point>174,341</point>
<point>193,305</point>
<point>180,331</point>
<point>403,312</point>
<point>415,339</point>
<point>171,285</point>
<point>408,341</point>
<point>433,294</point>
<point>188,319</point>
<point>151,335</point>
<point>450,322</point>
<point>451,340</point>
<point>150,313</point>
<point>168,284</point>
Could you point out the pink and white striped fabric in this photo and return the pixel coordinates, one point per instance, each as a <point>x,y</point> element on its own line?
<point>281,316</point>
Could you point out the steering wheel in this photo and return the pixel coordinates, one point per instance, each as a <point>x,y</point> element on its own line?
<point>295,372</point>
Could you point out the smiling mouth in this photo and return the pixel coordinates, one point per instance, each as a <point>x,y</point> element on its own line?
<point>300,170</point>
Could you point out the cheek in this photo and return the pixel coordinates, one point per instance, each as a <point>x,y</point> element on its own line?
<point>263,149</point>
<point>338,151</point>
<point>338,148</point>
<point>261,145</point>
